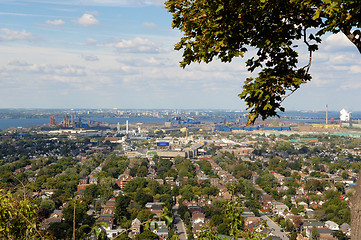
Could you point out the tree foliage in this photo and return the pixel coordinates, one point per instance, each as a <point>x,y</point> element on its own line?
<point>18,219</point>
<point>147,235</point>
<point>226,29</point>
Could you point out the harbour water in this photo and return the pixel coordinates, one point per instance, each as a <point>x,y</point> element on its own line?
<point>292,116</point>
<point>15,123</point>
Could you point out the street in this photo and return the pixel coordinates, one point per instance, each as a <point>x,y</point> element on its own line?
<point>276,230</point>
<point>179,225</point>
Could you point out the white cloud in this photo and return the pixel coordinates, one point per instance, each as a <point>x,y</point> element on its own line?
<point>137,45</point>
<point>145,62</point>
<point>355,69</point>
<point>19,63</point>
<point>87,20</point>
<point>342,59</point>
<point>13,35</point>
<point>90,58</point>
<point>103,2</point>
<point>351,85</point>
<point>127,2</point>
<point>338,42</point>
<point>61,70</point>
<point>91,41</point>
<point>57,22</point>
<point>24,14</point>
<point>149,25</point>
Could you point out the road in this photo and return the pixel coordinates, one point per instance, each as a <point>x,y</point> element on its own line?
<point>276,230</point>
<point>179,225</point>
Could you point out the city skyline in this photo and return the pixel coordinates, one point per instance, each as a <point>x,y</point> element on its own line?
<point>119,54</point>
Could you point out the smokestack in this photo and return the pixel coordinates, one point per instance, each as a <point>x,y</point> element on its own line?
<point>127,127</point>
<point>326,114</point>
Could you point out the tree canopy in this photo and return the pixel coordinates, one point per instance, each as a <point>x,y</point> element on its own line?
<point>229,28</point>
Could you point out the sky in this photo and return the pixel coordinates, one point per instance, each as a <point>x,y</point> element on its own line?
<point>120,54</point>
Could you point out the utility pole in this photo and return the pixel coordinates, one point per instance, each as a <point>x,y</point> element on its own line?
<point>74,219</point>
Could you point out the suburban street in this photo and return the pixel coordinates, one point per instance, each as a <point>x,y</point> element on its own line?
<point>179,225</point>
<point>276,230</point>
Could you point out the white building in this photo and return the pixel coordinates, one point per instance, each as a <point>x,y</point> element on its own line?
<point>332,225</point>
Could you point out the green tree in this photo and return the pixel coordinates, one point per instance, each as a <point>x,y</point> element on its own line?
<point>293,236</point>
<point>142,197</point>
<point>147,235</point>
<point>167,216</point>
<point>48,205</point>
<point>18,219</point>
<point>92,191</point>
<point>314,234</point>
<point>344,175</point>
<point>81,216</point>
<point>59,230</point>
<point>142,171</point>
<point>96,229</point>
<point>340,235</point>
<point>229,28</point>
<point>121,205</point>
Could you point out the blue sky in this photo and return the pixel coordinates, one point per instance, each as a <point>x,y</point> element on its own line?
<point>119,54</point>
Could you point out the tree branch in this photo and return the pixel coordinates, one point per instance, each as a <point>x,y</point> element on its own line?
<point>309,49</point>
<point>355,39</point>
<point>308,66</point>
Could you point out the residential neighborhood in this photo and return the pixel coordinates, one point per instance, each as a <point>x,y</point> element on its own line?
<point>181,181</point>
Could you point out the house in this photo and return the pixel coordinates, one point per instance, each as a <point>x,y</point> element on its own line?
<point>196,227</point>
<point>313,205</point>
<point>310,212</point>
<point>170,180</point>
<point>332,225</point>
<point>45,194</point>
<point>247,213</point>
<point>305,205</point>
<point>123,180</point>
<point>346,229</point>
<point>160,181</point>
<point>325,233</point>
<point>93,180</point>
<point>214,182</point>
<point>80,193</point>
<point>267,202</point>
<point>135,228</point>
<point>160,228</point>
<point>112,233</point>
<point>309,223</point>
<point>109,207</point>
<point>55,217</point>
<point>252,223</point>
<point>155,207</point>
<point>279,208</point>
<point>198,217</point>
<point>82,187</point>
<point>83,180</point>
<point>108,219</point>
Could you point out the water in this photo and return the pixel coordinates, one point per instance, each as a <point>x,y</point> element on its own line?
<point>14,123</point>
<point>292,116</point>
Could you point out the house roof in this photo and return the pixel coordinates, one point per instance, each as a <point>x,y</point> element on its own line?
<point>345,226</point>
<point>310,223</point>
<point>136,222</point>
